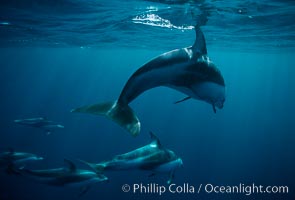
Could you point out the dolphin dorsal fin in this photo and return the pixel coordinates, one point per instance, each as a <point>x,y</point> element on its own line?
<point>199,46</point>
<point>71,166</point>
<point>155,140</point>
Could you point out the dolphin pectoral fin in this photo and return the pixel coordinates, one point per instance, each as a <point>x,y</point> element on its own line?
<point>214,108</point>
<point>84,190</point>
<point>121,114</point>
<point>171,177</point>
<point>182,100</point>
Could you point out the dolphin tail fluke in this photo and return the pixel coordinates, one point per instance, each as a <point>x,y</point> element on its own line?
<point>121,114</point>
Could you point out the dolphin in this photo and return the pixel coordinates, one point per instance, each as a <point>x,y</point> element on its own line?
<point>152,157</point>
<point>65,176</point>
<point>188,70</point>
<point>12,160</point>
<point>41,123</point>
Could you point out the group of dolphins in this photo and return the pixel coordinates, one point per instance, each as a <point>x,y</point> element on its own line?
<point>187,70</point>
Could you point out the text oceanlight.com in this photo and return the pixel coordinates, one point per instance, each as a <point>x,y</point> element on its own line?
<point>186,188</point>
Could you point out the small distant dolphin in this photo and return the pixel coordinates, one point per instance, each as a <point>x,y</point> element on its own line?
<point>41,123</point>
<point>187,70</point>
<point>66,176</point>
<point>12,160</point>
<point>152,157</point>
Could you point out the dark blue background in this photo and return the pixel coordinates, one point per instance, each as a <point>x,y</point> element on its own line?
<point>251,140</point>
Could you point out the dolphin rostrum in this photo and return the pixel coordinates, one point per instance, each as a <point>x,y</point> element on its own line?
<point>187,70</point>
<point>41,123</point>
<point>66,176</point>
<point>152,157</point>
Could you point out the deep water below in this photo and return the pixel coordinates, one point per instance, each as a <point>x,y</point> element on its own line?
<point>251,140</point>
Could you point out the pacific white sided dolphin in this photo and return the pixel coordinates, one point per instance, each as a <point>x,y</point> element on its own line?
<point>11,160</point>
<point>187,70</point>
<point>40,122</point>
<point>152,157</point>
<point>66,176</point>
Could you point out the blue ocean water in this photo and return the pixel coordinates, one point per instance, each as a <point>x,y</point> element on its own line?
<point>58,55</point>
